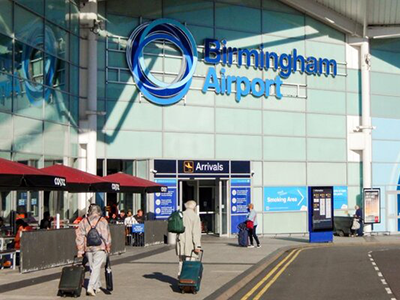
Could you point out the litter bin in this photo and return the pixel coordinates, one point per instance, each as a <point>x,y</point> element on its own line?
<point>171,238</point>
<point>342,226</point>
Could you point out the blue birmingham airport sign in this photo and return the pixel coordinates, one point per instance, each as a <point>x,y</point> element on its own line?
<point>215,52</point>
<point>285,199</point>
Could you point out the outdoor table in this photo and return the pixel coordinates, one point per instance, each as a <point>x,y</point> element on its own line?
<point>4,241</point>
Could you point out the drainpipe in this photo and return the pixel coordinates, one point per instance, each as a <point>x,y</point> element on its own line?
<point>366,113</point>
<point>366,117</point>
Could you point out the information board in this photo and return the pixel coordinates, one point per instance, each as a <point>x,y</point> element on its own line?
<point>137,228</point>
<point>372,206</point>
<point>340,197</point>
<point>240,199</point>
<point>165,203</point>
<point>321,208</point>
<point>289,198</point>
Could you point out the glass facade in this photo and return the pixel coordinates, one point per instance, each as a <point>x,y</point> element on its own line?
<point>39,91</point>
<point>299,140</point>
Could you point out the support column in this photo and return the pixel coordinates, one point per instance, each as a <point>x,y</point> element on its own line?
<point>88,92</point>
<point>92,103</point>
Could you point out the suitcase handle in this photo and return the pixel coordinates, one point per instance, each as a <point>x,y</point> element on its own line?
<point>201,256</point>
<point>82,262</point>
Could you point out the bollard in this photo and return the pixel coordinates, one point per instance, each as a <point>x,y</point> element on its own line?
<point>171,238</point>
<point>57,221</point>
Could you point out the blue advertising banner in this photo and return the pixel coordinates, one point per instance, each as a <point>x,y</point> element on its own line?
<point>137,228</point>
<point>293,198</point>
<point>240,198</point>
<point>340,197</point>
<point>165,203</point>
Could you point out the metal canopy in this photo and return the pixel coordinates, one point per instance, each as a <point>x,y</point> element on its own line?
<point>362,18</point>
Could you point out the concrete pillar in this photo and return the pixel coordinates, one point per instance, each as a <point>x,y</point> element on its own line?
<point>88,108</point>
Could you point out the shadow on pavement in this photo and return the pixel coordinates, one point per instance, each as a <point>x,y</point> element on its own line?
<point>293,239</point>
<point>235,245</point>
<point>164,278</point>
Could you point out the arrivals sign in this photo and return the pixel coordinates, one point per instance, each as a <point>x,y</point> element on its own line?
<point>372,206</point>
<point>165,203</point>
<point>285,199</point>
<point>203,167</point>
<point>216,52</point>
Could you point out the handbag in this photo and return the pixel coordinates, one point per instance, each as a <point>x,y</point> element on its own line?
<point>356,225</point>
<point>108,275</point>
<point>249,224</point>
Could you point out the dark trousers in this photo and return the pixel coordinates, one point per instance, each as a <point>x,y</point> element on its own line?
<point>252,233</point>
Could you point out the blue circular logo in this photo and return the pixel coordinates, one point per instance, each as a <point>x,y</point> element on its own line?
<point>157,91</point>
<point>36,38</point>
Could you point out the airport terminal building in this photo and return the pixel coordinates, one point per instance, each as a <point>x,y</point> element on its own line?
<point>226,102</point>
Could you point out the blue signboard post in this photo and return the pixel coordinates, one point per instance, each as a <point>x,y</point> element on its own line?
<point>340,197</point>
<point>293,198</point>
<point>165,203</point>
<point>240,199</point>
<point>320,214</point>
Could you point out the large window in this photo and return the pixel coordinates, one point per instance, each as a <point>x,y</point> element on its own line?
<point>39,95</point>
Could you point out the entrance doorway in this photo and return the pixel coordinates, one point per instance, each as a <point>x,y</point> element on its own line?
<point>211,196</point>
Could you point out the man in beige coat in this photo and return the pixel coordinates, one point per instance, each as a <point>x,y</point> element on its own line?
<point>189,241</point>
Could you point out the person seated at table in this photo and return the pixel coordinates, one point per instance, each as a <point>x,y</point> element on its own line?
<point>139,216</point>
<point>121,217</point>
<point>21,226</point>
<point>3,227</point>
<point>46,222</point>
<point>130,219</point>
<point>113,219</point>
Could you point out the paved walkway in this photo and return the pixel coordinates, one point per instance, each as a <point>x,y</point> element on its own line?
<point>150,273</point>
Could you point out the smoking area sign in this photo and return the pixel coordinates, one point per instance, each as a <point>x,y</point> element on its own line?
<point>292,198</point>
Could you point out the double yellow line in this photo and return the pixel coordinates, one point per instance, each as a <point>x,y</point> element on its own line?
<point>289,259</point>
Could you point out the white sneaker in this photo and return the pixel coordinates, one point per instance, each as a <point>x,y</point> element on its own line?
<point>250,246</point>
<point>258,246</point>
<point>90,292</point>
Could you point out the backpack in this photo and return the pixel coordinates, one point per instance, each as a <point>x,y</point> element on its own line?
<point>175,222</point>
<point>93,237</point>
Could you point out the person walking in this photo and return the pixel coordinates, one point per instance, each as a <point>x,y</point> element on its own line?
<point>93,238</point>
<point>190,240</point>
<point>252,226</point>
<point>359,217</point>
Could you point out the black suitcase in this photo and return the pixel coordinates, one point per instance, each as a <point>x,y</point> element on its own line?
<point>191,274</point>
<point>243,235</point>
<point>71,281</point>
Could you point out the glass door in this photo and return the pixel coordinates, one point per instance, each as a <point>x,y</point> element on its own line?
<point>223,206</point>
<point>392,211</point>
<point>207,209</point>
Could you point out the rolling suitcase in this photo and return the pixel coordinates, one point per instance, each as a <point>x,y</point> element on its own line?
<point>191,274</point>
<point>71,281</point>
<point>243,236</point>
